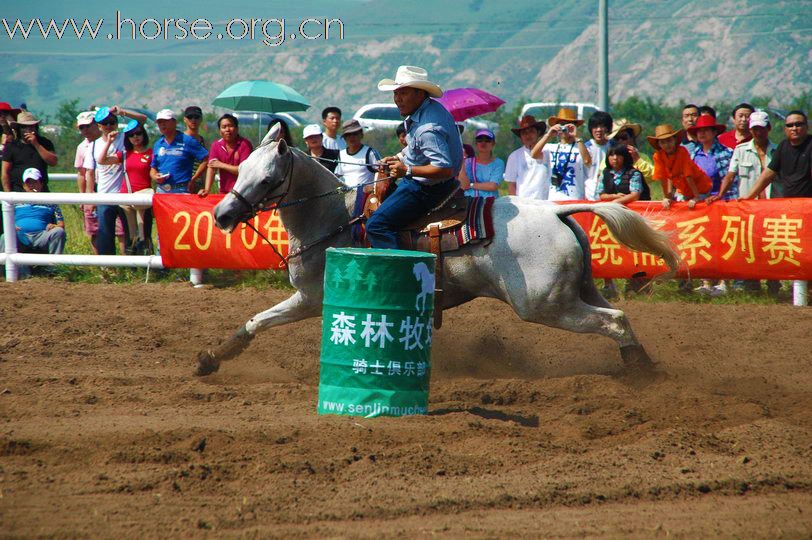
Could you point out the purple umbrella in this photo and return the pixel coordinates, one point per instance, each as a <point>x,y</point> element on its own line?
<point>465,103</point>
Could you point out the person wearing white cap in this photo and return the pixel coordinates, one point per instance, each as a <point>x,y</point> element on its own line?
<point>40,227</point>
<point>89,129</point>
<point>174,156</point>
<point>314,140</point>
<point>749,158</point>
<point>428,165</point>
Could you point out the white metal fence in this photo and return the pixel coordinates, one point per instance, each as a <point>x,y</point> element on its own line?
<point>12,259</point>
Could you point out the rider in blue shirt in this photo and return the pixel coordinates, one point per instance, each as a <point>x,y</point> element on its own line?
<point>428,165</point>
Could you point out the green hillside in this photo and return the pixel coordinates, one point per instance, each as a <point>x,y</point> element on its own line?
<point>540,50</point>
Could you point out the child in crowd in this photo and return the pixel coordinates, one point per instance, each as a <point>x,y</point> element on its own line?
<point>681,178</point>
<point>621,183</point>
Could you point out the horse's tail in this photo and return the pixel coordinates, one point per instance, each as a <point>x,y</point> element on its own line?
<point>629,228</point>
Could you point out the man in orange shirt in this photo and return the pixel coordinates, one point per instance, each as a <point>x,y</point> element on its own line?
<point>681,178</point>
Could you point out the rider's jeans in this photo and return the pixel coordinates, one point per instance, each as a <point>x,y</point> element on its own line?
<point>409,201</point>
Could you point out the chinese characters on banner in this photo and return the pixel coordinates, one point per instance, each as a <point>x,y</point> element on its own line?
<point>190,239</point>
<point>766,239</point>
<point>742,240</point>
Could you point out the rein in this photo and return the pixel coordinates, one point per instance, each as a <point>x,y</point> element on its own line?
<point>328,160</point>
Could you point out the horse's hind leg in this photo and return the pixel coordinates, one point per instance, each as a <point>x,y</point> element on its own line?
<point>613,323</point>
<point>295,308</point>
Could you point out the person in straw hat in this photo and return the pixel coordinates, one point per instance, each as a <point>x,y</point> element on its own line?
<point>681,178</point>
<point>569,160</point>
<point>7,115</point>
<point>428,165</point>
<point>525,176</point>
<point>29,149</point>
<point>625,133</point>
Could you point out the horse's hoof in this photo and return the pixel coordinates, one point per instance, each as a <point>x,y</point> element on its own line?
<point>206,364</point>
<point>638,368</point>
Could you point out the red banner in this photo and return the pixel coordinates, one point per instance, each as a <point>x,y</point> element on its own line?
<point>742,240</point>
<point>764,239</point>
<point>190,239</point>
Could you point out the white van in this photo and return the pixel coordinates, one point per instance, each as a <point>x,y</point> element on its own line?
<point>544,110</point>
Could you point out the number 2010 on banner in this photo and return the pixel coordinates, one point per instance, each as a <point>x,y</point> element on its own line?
<point>201,233</point>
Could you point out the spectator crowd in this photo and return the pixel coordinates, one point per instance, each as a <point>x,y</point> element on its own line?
<point>560,159</point>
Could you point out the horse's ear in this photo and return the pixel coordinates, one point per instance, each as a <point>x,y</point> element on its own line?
<point>274,134</point>
<point>282,147</point>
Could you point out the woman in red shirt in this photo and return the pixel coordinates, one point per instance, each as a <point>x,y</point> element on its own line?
<point>226,154</point>
<point>137,157</point>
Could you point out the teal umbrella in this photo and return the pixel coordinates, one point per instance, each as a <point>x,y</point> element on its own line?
<point>261,96</point>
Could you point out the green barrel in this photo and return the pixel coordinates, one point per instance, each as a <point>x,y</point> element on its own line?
<point>376,332</point>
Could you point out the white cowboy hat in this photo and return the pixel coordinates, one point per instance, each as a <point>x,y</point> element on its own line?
<point>413,76</point>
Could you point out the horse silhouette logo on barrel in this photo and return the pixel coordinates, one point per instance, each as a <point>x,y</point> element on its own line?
<point>426,279</point>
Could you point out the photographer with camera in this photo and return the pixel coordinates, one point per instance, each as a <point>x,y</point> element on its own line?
<point>568,160</point>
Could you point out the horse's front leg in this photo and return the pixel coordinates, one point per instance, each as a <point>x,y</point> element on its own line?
<point>295,308</point>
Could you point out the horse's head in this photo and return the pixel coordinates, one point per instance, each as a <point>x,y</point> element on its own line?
<point>265,175</point>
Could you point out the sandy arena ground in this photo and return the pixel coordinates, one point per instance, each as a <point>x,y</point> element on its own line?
<point>105,432</point>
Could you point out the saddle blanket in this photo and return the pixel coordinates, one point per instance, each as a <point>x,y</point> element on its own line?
<point>474,227</point>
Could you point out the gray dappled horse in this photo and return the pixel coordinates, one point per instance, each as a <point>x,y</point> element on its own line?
<point>538,262</point>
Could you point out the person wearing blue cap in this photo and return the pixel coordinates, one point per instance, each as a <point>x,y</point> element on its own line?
<point>481,175</point>
<point>103,163</point>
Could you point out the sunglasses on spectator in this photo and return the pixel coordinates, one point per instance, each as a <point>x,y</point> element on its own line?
<point>795,124</point>
<point>483,139</point>
<point>194,117</point>
<point>136,134</point>
<point>84,127</point>
<point>112,121</point>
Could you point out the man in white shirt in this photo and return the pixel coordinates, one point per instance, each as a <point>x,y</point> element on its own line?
<point>331,120</point>
<point>525,176</point>
<point>600,126</point>
<point>357,162</point>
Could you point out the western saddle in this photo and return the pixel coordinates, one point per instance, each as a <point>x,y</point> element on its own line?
<point>432,233</point>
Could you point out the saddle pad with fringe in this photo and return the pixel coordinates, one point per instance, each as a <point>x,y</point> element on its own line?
<point>476,227</point>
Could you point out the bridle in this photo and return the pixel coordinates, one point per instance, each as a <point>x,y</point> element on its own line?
<point>268,202</point>
<point>276,202</point>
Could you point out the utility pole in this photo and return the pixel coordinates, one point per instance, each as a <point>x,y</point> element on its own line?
<point>603,55</point>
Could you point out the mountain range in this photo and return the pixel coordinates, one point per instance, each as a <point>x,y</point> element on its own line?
<point>542,50</point>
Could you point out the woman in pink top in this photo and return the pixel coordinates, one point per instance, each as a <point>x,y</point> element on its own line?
<point>137,157</point>
<point>226,154</point>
